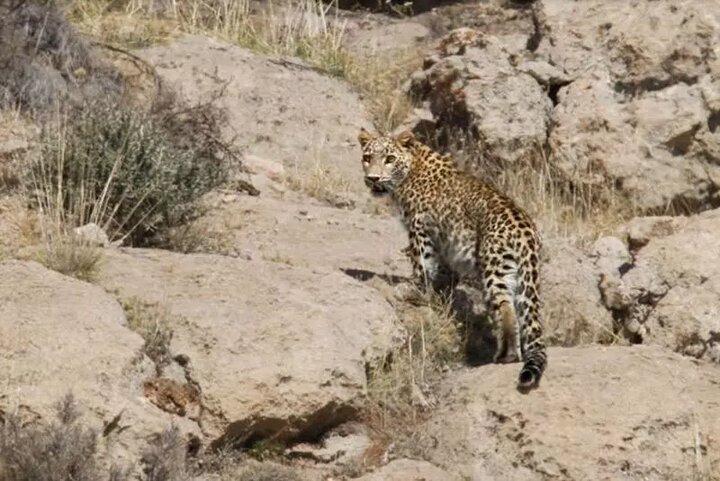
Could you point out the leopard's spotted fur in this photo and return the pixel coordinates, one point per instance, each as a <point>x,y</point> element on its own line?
<point>458,223</point>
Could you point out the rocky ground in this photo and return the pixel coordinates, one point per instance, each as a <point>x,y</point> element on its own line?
<point>278,321</point>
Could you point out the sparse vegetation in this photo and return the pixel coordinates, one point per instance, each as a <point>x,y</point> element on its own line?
<point>322,182</point>
<point>400,389</point>
<point>561,210</point>
<point>268,472</point>
<point>118,168</point>
<point>44,61</point>
<point>165,457</point>
<point>58,451</point>
<point>66,253</point>
<point>311,30</point>
<point>153,323</point>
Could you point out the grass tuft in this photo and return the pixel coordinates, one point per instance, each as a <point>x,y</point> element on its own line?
<point>321,182</point>
<point>400,389</point>
<point>58,451</point>
<point>153,323</point>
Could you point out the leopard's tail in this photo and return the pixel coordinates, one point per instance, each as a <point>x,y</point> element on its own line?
<point>532,346</point>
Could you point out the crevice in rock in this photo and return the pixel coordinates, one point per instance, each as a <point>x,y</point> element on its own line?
<point>713,121</point>
<point>633,88</point>
<point>681,205</point>
<point>271,433</point>
<point>680,144</point>
<point>553,91</point>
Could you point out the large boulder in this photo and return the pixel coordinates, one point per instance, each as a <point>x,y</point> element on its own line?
<point>61,335</point>
<point>640,110</point>
<point>278,108</point>
<point>572,305</point>
<point>670,295</point>
<point>611,95</point>
<point>635,412</point>
<point>276,350</point>
<point>473,87</point>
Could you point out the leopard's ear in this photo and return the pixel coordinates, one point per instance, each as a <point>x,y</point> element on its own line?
<point>364,137</point>
<point>405,138</point>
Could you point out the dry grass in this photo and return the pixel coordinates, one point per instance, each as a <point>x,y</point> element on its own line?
<point>153,323</point>
<point>400,389</point>
<point>57,451</point>
<point>128,23</point>
<point>559,208</point>
<point>379,79</point>
<point>67,254</point>
<point>559,331</point>
<point>322,182</point>
<point>308,29</point>
<point>164,459</point>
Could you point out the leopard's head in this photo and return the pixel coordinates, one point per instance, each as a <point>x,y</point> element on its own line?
<point>386,160</point>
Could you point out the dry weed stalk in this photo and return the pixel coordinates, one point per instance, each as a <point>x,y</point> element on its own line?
<point>400,388</point>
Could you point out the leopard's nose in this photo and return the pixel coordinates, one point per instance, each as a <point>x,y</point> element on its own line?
<point>372,179</point>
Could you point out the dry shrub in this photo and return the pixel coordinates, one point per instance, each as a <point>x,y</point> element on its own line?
<point>44,61</point>
<point>122,170</point>
<point>153,323</point>
<point>59,451</point>
<point>165,457</point>
<point>400,389</point>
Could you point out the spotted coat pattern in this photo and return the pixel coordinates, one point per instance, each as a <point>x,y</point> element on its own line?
<point>459,224</point>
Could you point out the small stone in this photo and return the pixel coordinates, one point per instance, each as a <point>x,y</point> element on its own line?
<point>92,234</point>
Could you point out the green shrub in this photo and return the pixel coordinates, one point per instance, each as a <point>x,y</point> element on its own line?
<point>123,170</point>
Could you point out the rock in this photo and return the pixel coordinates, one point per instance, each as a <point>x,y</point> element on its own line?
<point>480,91</point>
<point>635,412</point>
<point>545,73</point>
<point>674,298</point>
<point>599,138</point>
<point>277,351</point>
<point>611,256</point>
<point>640,230</point>
<point>368,37</point>
<point>260,165</point>
<point>637,114</point>
<point>343,445</point>
<point>409,470</point>
<point>292,231</point>
<point>573,309</point>
<point>92,234</point>
<point>605,98</point>
<point>278,108</point>
<point>60,335</point>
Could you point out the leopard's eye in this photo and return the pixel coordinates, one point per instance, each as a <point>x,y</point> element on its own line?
<point>390,159</point>
<point>366,159</point>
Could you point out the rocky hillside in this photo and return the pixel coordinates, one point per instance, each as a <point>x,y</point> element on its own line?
<point>254,322</point>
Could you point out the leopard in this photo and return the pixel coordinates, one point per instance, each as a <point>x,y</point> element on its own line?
<point>458,223</point>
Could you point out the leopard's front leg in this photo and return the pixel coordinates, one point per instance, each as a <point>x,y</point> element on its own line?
<point>423,254</point>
